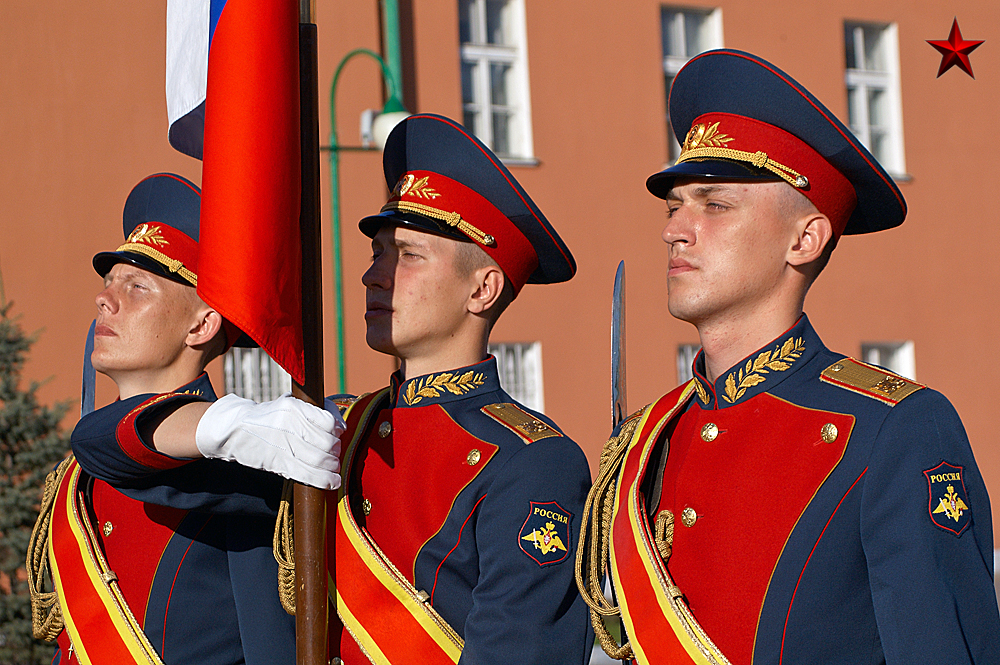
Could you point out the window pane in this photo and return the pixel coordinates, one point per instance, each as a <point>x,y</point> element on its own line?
<point>496,22</point>
<point>876,107</point>
<point>468,82</point>
<point>466,20</point>
<point>852,110</point>
<point>672,22</point>
<point>878,143</point>
<point>695,33</point>
<point>685,361</point>
<point>673,147</point>
<point>498,84</point>
<point>501,133</point>
<point>470,119</point>
<point>852,60</point>
<point>874,56</point>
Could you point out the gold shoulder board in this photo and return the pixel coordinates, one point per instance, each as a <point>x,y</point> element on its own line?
<point>869,381</point>
<point>520,422</point>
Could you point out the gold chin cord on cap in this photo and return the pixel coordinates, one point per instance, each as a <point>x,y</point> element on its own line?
<point>173,265</point>
<point>703,142</point>
<point>452,219</point>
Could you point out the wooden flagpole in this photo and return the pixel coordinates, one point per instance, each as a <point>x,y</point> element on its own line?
<point>312,606</point>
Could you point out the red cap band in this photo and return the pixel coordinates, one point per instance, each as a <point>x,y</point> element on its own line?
<point>172,249</point>
<point>452,203</point>
<point>725,135</point>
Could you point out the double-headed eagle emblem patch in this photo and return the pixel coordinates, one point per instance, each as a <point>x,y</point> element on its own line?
<point>545,533</point>
<point>948,504</point>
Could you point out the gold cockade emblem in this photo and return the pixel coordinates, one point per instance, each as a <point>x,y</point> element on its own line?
<point>409,184</point>
<point>951,504</point>
<point>546,539</point>
<point>434,386</point>
<point>148,234</point>
<point>703,136</point>
<point>778,360</point>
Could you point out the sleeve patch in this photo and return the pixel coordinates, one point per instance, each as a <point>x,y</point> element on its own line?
<point>519,421</point>
<point>948,502</point>
<point>545,536</point>
<point>869,381</point>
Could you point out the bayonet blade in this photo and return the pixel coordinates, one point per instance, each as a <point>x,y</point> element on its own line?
<point>618,408</point>
<point>89,375</point>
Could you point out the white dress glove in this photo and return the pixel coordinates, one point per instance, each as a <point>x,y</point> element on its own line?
<point>287,436</point>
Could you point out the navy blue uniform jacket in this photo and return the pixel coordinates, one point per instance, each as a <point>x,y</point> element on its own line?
<point>470,508</point>
<point>190,540</point>
<point>820,522</point>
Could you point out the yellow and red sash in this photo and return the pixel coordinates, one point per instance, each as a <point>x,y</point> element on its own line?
<point>101,627</point>
<point>388,618</point>
<point>660,626</point>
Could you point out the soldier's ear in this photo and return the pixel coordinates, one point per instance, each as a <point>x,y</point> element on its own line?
<point>489,283</point>
<point>812,234</point>
<point>206,326</point>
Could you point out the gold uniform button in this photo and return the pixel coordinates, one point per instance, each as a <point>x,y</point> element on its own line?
<point>709,432</point>
<point>108,528</point>
<point>366,507</point>
<point>472,459</point>
<point>689,517</point>
<point>385,429</point>
<point>829,432</point>
<point>837,367</point>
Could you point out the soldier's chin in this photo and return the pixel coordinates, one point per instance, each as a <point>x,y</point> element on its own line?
<point>380,340</point>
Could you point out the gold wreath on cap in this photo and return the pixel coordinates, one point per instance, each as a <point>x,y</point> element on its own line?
<point>705,141</point>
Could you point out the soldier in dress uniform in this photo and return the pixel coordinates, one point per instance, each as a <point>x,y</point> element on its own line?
<point>460,511</point>
<point>161,549</point>
<point>788,504</point>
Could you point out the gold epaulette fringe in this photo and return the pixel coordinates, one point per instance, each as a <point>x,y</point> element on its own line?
<point>595,538</point>
<point>46,614</point>
<point>284,549</point>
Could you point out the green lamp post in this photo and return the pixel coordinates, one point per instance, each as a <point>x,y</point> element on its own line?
<point>392,113</point>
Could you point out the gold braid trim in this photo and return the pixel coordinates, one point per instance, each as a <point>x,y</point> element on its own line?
<point>46,614</point>
<point>450,218</point>
<point>595,538</point>
<point>284,549</point>
<point>173,265</point>
<point>758,159</point>
<point>664,534</point>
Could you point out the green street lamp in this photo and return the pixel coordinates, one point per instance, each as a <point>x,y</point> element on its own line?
<point>392,113</point>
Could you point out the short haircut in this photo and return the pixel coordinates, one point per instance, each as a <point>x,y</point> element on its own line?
<point>216,346</point>
<point>469,258</point>
<point>794,205</point>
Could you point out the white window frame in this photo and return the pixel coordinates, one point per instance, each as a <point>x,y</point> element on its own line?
<point>898,357</point>
<point>515,55</point>
<point>519,365</point>
<point>863,80</point>
<point>685,361</point>
<point>672,63</point>
<point>252,374</point>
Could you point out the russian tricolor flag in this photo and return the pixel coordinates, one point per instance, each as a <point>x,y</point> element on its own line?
<point>233,101</point>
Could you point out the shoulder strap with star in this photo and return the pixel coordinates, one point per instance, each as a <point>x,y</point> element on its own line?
<point>870,381</point>
<point>520,422</point>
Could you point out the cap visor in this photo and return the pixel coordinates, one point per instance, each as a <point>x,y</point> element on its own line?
<point>659,184</point>
<point>105,261</point>
<point>370,225</point>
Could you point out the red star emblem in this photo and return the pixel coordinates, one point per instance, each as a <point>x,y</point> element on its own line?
<point>955,50</point>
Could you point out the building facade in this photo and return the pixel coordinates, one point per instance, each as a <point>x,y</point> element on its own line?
<point>573,96</point>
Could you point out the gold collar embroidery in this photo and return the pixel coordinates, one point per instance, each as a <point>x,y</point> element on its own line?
<point>433,386</point>
<point>702,393</point>
<point>778,360</point>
